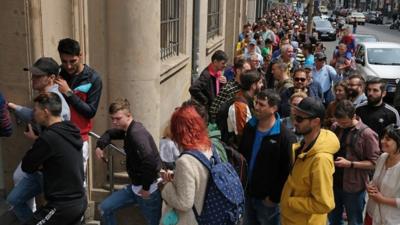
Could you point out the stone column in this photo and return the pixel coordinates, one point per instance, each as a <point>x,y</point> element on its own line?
<point>133,43</point>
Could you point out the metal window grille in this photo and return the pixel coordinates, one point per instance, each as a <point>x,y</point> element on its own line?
<point>213,18</point>
<point>169,33</point>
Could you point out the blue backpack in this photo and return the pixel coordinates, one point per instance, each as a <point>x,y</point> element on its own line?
<point>224,198</point>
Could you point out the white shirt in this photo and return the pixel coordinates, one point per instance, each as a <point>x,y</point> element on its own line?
<point>388,182</point>
<point>137,188</point>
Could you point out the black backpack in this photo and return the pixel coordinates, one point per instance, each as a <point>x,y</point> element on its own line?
<point>238,162</point>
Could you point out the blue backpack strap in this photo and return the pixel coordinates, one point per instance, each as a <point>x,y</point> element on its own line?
<point>202,158</point>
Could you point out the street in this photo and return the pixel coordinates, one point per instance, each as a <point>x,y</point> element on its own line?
<point>381,31</point>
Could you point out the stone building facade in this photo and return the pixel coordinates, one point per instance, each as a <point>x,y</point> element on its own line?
<point>145,51</point>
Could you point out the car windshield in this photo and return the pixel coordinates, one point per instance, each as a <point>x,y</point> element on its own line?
<point>366,39</point>
<point>384,56</point>
<point>322,23</point>
<point>357,14</point>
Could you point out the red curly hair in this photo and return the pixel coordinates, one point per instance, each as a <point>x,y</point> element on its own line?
<point>189,130</point>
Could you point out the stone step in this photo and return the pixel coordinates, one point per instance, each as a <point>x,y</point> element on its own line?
<point>116,186</point>
<point>121,178</point>
<point>92,222</point>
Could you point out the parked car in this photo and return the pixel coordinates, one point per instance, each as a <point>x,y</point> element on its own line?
<point>359,38</point>
<point>379,59</point>
<point>325,30</point>
<point>359,17</point>
<point>374,17</point>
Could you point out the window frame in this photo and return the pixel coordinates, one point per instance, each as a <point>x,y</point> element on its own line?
<point>213,19</point>
<point>170,28</point>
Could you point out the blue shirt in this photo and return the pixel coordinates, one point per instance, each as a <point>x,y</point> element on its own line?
<point>325,76</point>
<point>275,129</point>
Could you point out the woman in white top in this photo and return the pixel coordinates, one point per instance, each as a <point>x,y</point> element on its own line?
<point>384,189</point>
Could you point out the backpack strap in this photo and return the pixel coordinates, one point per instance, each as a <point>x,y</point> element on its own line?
<point>208,163</point>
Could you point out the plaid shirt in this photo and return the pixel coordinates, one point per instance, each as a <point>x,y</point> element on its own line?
<point>227,93</point>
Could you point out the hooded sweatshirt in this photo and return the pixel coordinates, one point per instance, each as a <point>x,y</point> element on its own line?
<point>307,196</point>
<point>58,154</point>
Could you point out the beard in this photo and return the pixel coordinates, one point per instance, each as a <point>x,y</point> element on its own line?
<point>352,93</point>
<point>374,101</point>
<point>303,132</point>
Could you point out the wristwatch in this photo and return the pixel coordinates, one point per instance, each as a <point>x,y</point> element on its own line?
<point>69,93</point>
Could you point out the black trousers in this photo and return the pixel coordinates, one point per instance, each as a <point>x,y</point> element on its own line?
<point>60,213</point>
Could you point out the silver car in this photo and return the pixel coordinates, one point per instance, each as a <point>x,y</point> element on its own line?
<point>379,59</point>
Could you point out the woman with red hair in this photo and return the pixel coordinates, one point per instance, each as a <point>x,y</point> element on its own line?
<point>188,186</point>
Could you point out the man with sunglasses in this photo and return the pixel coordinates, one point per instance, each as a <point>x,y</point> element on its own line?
<point>356,89</point>
<point>359,150</point>
<point>307,196</point>
<point>301,83</point>
<point>266,144</point>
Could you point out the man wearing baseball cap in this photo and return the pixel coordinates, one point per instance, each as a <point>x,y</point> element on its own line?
<point>253,49</point>
<point>324,75</point>
<point>44,72</point>
<point>307,196</point>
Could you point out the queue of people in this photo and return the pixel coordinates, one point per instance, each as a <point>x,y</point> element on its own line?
<point>288,139</point>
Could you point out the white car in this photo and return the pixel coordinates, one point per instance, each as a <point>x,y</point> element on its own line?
<point>359,17</point>
<point>379,59</point>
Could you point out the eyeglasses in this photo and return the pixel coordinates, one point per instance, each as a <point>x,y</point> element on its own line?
<point>300,119</point>
<point>298,79</point>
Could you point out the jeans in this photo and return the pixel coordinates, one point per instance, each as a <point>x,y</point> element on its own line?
<point>27,188</point>
<point>150,207</point>
<point>353,203</point>
<point>257,213</point>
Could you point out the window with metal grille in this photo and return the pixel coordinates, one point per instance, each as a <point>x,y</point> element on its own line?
<point>170,23</point>
<point>213,18</point>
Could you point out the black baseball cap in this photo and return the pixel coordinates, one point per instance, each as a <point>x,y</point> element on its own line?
<point>312,107</point>
<point>44,66</point>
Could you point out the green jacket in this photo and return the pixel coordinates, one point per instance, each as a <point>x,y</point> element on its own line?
<point>215,135</point>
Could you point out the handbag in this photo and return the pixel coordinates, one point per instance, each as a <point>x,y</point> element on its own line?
<point>170,218</point>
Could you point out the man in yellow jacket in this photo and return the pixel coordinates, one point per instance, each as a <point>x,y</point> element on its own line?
<point>307,196</point>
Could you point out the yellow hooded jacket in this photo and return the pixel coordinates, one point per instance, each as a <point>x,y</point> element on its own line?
<point>307,196</point>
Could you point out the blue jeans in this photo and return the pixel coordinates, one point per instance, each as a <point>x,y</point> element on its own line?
<point>353,203</point>
<point>30,186</point>
<point>257,213</point>
<point>150,207</point>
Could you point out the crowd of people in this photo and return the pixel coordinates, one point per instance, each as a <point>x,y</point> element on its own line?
<point>280,137</point>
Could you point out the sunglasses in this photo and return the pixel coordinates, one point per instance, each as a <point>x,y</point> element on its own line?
<point>300,119</point>
<point>298,79</point>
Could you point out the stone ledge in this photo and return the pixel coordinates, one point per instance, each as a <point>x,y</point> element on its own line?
<point>213,44</point>
<point>172,65</point>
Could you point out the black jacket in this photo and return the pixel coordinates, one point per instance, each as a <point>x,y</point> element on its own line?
<point>143,161</point>
<point>273,161</point>
<point>203,90</point>
<point>87,87</point>
<point>58,154</point>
